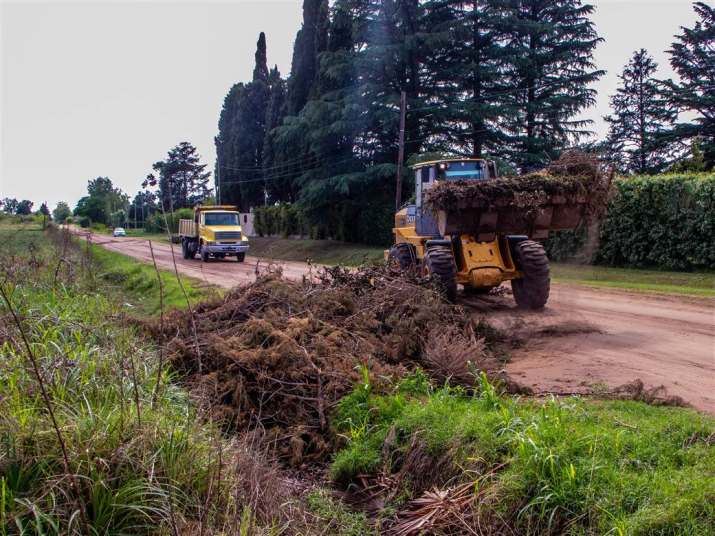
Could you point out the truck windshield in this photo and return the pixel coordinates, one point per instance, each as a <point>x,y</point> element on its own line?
<point>463,170</point>
<point>221,218</point>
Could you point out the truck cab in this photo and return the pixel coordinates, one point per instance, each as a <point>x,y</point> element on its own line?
<point>215,231</point>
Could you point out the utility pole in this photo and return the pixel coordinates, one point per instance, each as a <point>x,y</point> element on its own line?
<point>401,152</point>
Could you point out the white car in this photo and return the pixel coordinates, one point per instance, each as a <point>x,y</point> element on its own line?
<point>119,231</point>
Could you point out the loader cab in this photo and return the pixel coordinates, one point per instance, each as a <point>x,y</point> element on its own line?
<point>453,169</point>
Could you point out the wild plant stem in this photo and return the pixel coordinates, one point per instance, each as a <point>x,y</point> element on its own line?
<point>50,410</point>
<point>160,368</point>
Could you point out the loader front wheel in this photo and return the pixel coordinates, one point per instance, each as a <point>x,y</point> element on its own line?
<point>439,264</point>
<point>403,255</point>
<point>532,290</point>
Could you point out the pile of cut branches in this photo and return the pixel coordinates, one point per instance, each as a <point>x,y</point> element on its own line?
<point>276,355</point>
<point>575,178</point>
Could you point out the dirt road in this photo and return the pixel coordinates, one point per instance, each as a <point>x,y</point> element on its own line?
<point>596,337</point>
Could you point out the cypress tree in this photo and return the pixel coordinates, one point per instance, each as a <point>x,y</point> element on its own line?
<point>640,118</point>
<point>551,45</point>
<point>242,133</point>
<point>305,53</point>
<point>692,56</point>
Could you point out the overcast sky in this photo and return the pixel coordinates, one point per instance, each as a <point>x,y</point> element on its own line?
<point>106,88</point>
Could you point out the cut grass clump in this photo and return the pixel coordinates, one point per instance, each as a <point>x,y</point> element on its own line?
<point>560,466</point>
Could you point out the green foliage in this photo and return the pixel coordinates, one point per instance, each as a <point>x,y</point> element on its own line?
<point>139,464</point>
<point>691,57</point>
<point>280,220</point>
<point>665,221</point>
<point>157,224</point>
<point>24,207</point>
<point>641,115</point>
<point>560,466</point>
<point>61,212</point>
<point>183,181</point>
<point>336,518</point>
<point>563,245</point>
<point>102,200</point>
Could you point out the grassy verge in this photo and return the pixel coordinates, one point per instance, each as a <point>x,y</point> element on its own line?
<point>555,467</point>
<point>140,458</point>
<point>138,283</point>
<point>684,283</point>
<point>317,251</point>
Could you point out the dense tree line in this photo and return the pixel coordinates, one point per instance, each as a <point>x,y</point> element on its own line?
<point>505,79</point>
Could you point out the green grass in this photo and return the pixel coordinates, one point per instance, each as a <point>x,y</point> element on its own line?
<point>138,462</point>
<point>684,283</point>
<point>558,466</point>
<point>317,251</point>
<point>146,459</point>
<point>139,286</point>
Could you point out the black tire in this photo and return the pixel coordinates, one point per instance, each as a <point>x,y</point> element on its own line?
<point>532,290</point>
<point>204,255</point>
<point>439,264</point>
<point>240,257</point>
<point>403,255</point>
<point>191,249</point>
<point>184,249</point>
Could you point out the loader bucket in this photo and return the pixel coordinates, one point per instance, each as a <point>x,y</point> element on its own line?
<point>561,197</point>
<point>487,220</point>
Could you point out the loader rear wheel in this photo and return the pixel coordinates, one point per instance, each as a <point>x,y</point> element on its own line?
<point>439,264</point>
<point>532,290</point>
<point>403,255</point>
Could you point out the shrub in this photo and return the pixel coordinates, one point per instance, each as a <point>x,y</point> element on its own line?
<point>285,220</point>
<point>156,224</point>
<point>665,221</point>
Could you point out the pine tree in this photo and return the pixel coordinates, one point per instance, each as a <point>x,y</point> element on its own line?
<point>183,181</point>
<point>468,58</point>
<point>640,118</point>
<point>692,56</point>
<point>551,45</point>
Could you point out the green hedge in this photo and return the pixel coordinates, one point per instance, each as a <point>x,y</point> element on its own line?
<point>284,220</point>
<point>665,221</point>
<point>662,221</point>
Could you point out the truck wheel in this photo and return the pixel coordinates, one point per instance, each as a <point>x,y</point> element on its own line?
<point>403,255</point>
<point>240,257</point>
<point>185,249</point>
<point>439,264</point>
<point>532,290</point>
<point>191,248</point>
<point>204,255</point>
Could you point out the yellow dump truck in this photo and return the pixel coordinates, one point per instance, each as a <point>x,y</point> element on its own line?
<point>214,231</point>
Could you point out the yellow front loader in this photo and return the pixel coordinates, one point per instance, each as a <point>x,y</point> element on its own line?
<point>473,248</point>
